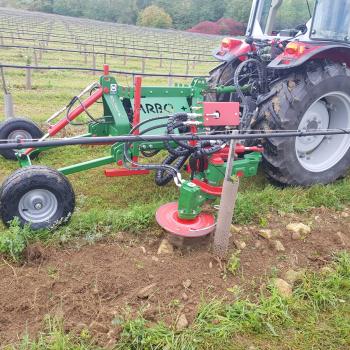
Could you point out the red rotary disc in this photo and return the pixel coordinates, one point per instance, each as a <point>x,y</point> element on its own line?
<point>167,217</point>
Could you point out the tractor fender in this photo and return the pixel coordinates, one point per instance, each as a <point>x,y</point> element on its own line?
<point>233,49</point>
<point>336,52</point>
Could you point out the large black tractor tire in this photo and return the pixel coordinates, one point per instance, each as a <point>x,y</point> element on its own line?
<point>15,129</point>
<point>315,97</point>
<point>38,196</point>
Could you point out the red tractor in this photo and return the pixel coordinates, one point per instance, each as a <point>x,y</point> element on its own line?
<point>292,73</point>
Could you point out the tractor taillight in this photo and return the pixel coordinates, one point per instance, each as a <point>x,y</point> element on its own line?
<point>229,43</point>
<point>295,48</point>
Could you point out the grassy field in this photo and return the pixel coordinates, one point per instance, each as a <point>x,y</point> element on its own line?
<point>316,317</point>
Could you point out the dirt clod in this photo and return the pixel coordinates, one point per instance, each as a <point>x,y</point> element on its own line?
<point>98,327</point>
<point>34,253</point>
<point>342,239</point>
<point>296,236</point>
<point>184,297</point>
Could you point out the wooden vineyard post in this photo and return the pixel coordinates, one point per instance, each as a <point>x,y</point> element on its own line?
<point>85,54</point>
<point>28,78</point>
<point>35,58</point>
<point>8,102</point>
<point>94,63</point>
<point>187,65</point>
<point>143,65</point>
<point>170,78</point>
<point>40,51</point>
<point>227,206</point>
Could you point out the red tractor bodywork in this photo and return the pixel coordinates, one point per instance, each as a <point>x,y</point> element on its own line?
<point>295,54</point>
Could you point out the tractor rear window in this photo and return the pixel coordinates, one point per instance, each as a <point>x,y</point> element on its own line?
<point>332,20</point>
<point>279,17</point>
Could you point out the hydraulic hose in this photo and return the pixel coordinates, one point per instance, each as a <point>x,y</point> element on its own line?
<point>173,171</point>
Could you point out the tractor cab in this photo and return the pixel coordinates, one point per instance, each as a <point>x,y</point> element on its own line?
<point>303,19</point>
<point>294,30</point>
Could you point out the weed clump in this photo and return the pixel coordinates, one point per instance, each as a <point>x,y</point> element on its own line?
<point>14,240</point>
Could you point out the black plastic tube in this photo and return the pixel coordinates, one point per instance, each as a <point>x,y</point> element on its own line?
<point>153,138</point>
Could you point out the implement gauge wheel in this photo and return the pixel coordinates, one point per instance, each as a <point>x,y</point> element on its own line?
<point>315,98</point>
<point>16,129</point>
<point>39,196</point>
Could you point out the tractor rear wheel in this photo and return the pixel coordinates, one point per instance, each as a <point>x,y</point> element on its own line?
<point>221,75</point>
<point>38,196</point>
<point>317,98</point>
<point>16,129</point>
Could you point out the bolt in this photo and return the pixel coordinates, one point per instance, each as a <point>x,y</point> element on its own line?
<point>38,206</point>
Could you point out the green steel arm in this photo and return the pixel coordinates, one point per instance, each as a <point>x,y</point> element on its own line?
<point>95,163</point>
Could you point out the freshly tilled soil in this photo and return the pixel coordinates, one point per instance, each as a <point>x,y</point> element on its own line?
<point>93,285</point>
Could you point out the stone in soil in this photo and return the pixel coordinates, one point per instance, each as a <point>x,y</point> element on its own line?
<point>240,244</point>
<point>187,283</point>
<point>146,292</point>
<point>267,234</point>
<point>292,276</point>
<point>165,247</point>
<point>181,323</point>
<point>299,228</point>
<point>283,287</point>
<point>235,229</point>
<point>278,246</point>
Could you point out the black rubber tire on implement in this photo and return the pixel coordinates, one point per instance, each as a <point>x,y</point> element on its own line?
<point>289,101</point>
<point>36,181</point>
<point>11,125</point>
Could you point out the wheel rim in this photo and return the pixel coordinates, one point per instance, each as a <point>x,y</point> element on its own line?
<point>18,135</point>
<point>38,206</point>
<point>321,153</point>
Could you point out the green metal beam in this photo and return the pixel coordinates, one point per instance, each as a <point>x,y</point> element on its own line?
<point>95,163</point>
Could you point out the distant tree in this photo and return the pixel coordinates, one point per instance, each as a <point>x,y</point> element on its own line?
<point>239,10</point>
<point>154,16</point>
<point>69,7</point>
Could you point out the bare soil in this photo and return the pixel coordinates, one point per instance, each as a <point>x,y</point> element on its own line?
<point>89,286</point>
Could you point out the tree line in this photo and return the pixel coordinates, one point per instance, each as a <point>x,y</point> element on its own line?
<point>180,14</point>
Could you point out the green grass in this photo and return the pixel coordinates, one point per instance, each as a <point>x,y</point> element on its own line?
<point>317,316</point>
<point>106,205</point>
